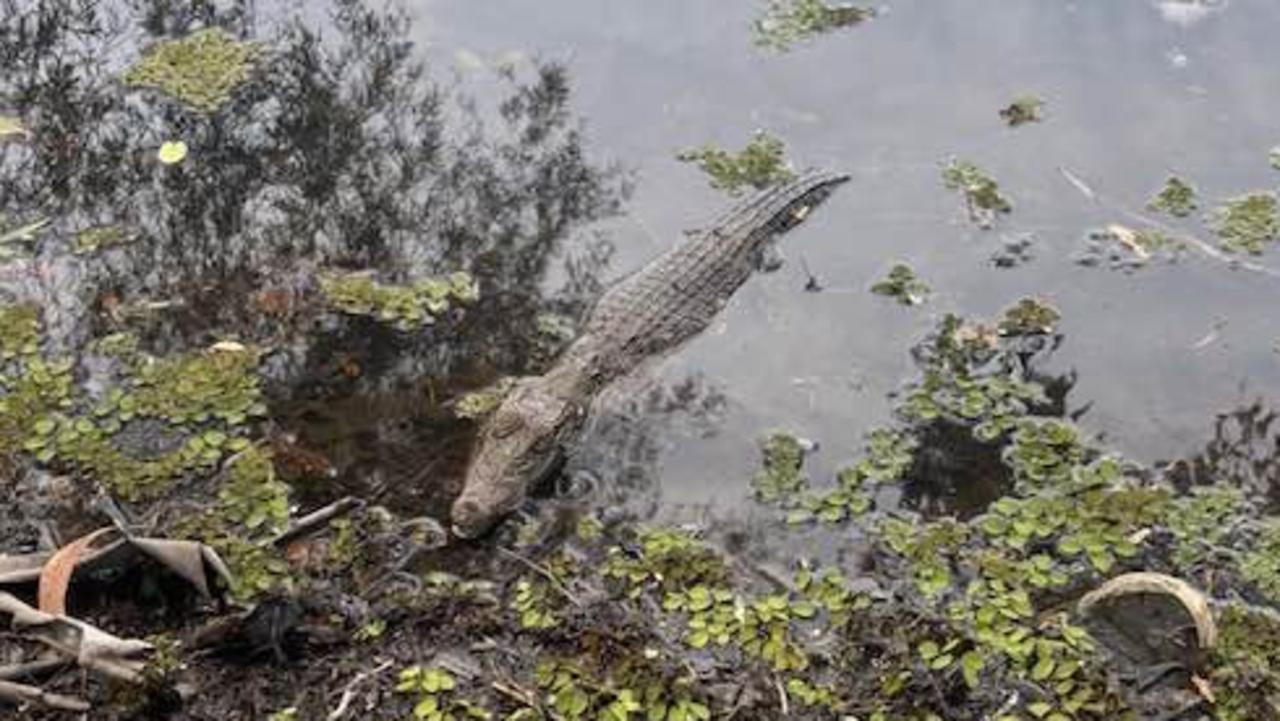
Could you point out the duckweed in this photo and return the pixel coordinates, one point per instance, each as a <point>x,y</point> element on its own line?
<point>760,164</point>
<point>202,70</point>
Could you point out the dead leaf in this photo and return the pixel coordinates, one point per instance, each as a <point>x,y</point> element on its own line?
<point>11,127</point>
<point>55,576</point>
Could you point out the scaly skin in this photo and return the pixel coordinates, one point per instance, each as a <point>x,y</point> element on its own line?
<point>646,314</point>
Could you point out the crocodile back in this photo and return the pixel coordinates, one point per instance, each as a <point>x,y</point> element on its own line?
<point>678,294</point>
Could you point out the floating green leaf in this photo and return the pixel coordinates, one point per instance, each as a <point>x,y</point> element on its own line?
<point>760,164</point>
<point>788,22</point>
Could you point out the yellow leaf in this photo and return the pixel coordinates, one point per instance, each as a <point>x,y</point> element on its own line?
<point>173,152</point>
<point>11,127</point>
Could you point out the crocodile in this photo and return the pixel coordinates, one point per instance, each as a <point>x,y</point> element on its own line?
<point>642,316</point>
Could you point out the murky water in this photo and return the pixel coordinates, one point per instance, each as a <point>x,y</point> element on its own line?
<point>341,155</point>
<point>1134,91</point>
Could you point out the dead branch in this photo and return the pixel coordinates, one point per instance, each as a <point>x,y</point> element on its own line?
<point>317,519</point>
<point>91,647</point>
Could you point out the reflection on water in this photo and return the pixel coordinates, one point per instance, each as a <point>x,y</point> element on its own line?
<point>339,152</point>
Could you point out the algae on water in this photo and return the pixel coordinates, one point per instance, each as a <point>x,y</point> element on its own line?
<point>202,70</point>
<point>788,22</point>
<point>760,164</point>
<point>1249,223</point>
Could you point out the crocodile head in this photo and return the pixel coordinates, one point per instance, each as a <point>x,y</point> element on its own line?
<point>521,442</point>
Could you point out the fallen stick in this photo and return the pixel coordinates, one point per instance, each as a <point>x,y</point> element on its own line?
<point>317,519</point>
<point>542,571</point>
<point>20,693</point>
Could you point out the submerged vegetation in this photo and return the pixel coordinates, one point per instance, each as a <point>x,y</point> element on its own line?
<point>789,22</point>
<point>760,164</point>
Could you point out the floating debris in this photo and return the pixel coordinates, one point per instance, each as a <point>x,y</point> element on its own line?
<point>1025,109</point>
<point>902,285</point>
<point>982,196</point>
<point>1127,249</point>
<point>1148,618</point>
<point>1249,223</point>
<point>760,164</point>
<point>202,70</point>
<point>788,22</point>
<point>11,128</point>
<point>1014,250</point>
<point>1274,157</point>
<point>172,152</point>
<point>1177,198</point>
<point>101,237</point>
<point>407,307</point>
<point>1030,316</point>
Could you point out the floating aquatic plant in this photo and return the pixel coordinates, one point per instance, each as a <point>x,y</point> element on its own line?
<point>783,474</point>
<point>407,307</point>
<point>980,191</point>
<point>1026,109</point>
<point>202,70</point>
<point>1249,223</point>
<point>1177,197</point>
<point>760,164</point>
<point>788,22</point>
<point>903,285</point>
<point>1029,316</point>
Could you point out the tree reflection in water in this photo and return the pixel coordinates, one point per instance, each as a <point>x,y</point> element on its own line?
<point>340,152</point>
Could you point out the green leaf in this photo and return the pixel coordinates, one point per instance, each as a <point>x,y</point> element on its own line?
<point>1039,709</point>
